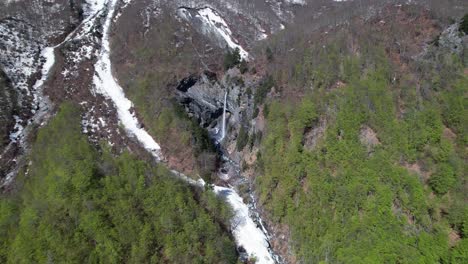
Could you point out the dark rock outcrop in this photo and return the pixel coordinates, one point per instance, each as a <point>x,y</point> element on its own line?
<point>8,107</point>
<point>186,83</point>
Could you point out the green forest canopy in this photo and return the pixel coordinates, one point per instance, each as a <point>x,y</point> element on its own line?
<point>346,204</point>
<point>77,205</point>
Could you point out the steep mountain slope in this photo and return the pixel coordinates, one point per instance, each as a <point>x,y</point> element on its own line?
<point>79,205</point>
<point>319,62</point>
<point>27,28</point>
<point>365,149</point>
<point>336,130</point>
<point>89,43</point>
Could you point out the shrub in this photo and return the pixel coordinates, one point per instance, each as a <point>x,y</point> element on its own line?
<point>243,67</point>
<point>263,90</point>
<point>232,59</point>
<point>464,24</point>
<point>242,139</point>
<point>443,179</point>
<point>269,54</point>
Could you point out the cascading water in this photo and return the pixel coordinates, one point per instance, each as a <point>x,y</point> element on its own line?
<point>223,130</point>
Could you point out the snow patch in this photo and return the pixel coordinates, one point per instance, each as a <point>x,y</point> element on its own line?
<point>297,2</point>
<point>18,53</point>
<point>17,130</point>
<point>91,7</point>
<point>214,23</point>
<point>49,56</point>
<point>245,231</point>
<point>249,235</point>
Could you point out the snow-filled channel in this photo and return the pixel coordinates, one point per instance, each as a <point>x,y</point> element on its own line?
<point>247,234</point>
<point>106,85</point>
<point>245,231</point>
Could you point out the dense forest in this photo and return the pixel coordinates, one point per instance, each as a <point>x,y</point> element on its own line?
<point>75,204</point>
<point>384,180</point>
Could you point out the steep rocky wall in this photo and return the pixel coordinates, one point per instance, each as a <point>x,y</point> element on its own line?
<point>46,19</point>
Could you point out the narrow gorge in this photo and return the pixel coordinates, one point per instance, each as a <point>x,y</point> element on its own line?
<point>233,131</point>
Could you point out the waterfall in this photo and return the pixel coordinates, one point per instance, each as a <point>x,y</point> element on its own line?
<point>223,130</point>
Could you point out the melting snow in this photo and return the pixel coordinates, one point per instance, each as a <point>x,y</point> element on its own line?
<point>17,130</point>
<point>18,53</point>
<point>213,22</point>
<point>298,2</point>
<point>91,7</point>
<point>108,86</point>
<point>48,54</point>
<point>246,232</point>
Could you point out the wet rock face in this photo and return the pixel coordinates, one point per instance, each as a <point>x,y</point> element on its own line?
<point>203,98</point>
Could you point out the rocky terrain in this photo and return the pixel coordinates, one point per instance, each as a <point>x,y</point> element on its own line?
<point>152,77</point>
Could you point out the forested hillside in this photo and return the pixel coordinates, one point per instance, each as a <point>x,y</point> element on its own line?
<point>369,164</point>
<point>75,204</point>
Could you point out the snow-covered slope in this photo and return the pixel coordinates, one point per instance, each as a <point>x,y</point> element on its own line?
<point>106,84</point>
<point>211,24</point>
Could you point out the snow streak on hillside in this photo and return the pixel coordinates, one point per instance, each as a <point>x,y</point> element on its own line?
<point>246,232</point>
<point>213,23</point>
<point>108,86</point>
